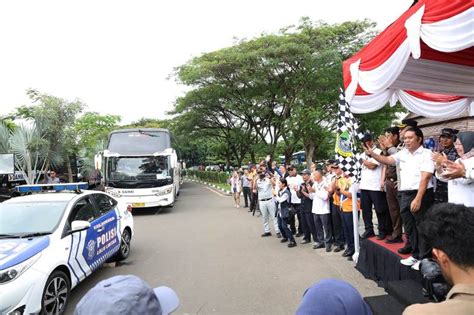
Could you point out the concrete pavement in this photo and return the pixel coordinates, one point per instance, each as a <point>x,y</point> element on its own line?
<point>212,255</point>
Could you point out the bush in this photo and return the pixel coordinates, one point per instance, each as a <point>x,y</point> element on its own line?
<point>213,177</point>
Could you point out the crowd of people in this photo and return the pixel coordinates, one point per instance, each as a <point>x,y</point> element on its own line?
<point>400,180</point>
<point>314,205</point>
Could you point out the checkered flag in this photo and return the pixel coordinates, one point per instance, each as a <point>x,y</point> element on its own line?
<point>347,133</point>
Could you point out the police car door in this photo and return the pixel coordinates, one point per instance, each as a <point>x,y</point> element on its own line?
<point>108,242</point>
<point>81,267</point>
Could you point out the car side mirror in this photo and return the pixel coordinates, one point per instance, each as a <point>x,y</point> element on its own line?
<point>78,225</point>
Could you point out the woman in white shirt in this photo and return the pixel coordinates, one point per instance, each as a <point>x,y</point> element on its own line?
<point>321,212</point>
<point>236,188</point>
<point>460,190</point>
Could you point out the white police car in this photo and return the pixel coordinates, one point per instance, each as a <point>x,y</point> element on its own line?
<point>49,242</point>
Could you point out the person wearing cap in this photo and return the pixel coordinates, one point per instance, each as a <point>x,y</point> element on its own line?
<point>332,296</point>
<point>390,144</point>
<point>448,151</point>
<point>307,219</point>
<point>404,126</point>
<point>335,218</point>
<point>371,193</point>
<point>127,295</point>
<point>265,184</point>
<point>294,182</point>
<point>416,190</point>
<point>460,190</point>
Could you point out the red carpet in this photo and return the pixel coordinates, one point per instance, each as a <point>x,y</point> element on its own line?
<point>391,247</point>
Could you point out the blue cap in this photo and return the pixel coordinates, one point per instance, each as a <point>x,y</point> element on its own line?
<point>333,296</point>
<point>127,295</point>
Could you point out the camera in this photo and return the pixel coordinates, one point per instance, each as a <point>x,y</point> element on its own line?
<point>435,286</point>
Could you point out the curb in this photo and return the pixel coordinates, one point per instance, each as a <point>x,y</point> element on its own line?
<point>193,180</point>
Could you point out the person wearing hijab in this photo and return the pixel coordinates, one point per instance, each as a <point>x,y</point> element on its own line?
<point>460,190</point>
<point>332,296</point>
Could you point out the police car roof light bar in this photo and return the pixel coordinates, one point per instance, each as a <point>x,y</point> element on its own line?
<point>75,187</point>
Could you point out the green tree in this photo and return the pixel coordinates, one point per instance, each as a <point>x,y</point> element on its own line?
<point>54,118</point>
<point>93,128</point>
<point>29,148</point>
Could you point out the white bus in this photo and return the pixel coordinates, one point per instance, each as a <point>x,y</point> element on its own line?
<point>140,167</point>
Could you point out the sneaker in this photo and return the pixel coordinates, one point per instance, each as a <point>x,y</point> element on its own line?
<point>266,234</point>
<point>299,234</point>
<point>292,244</point>
<point>416,266</point>
<point>338,248</point>
<point>410,261</point>
<point>238,206</point>
<point>381,236</point>
<point>278,234</point>
<point>328,248</point>
<point>283,240</point>
<point>304,242</point>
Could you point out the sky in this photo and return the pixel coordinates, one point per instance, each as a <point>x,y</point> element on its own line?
<point>118,56</point>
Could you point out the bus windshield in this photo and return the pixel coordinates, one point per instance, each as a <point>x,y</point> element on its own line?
<point>139,142</point>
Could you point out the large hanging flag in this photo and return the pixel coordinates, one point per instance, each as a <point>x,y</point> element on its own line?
<point>347,133</point>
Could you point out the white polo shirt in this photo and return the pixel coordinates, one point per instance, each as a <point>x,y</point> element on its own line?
<point>292,181</point>
<point>370,178</point>
<point>411,165</point>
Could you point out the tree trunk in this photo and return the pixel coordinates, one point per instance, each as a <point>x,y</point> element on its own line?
<point>309,149</point>
<point>252,156</point>
<point>69,169</point>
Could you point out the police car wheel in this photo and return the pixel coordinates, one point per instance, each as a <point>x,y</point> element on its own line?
<point>124,246</point>
<point>55,294</point>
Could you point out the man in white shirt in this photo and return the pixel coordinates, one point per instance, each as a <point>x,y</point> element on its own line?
<point>294,182</point>
<point>371,193</point>
<point>265,184</point>
<point>416,189</point>
<point>321,212</point>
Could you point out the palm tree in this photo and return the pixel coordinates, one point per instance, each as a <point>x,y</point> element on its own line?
<point>30,150</point>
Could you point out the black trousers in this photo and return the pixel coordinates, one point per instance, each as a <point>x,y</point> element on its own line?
<point>253,201</point>
<point>369,198</point>
<point>335,222</point>
<point>309,227</point>
<point>411,221</point>
<point>246,191</point>
<point>292,220</point>
<point>285,231</point>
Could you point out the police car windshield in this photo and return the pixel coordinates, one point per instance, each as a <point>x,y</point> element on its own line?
<point>20,218</point>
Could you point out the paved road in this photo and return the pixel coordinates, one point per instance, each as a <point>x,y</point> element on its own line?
<point>213,256</point>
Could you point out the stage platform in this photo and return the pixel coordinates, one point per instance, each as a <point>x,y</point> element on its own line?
<point>380,262</point>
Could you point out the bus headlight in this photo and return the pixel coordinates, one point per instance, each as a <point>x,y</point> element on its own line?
<point>166,191</point>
